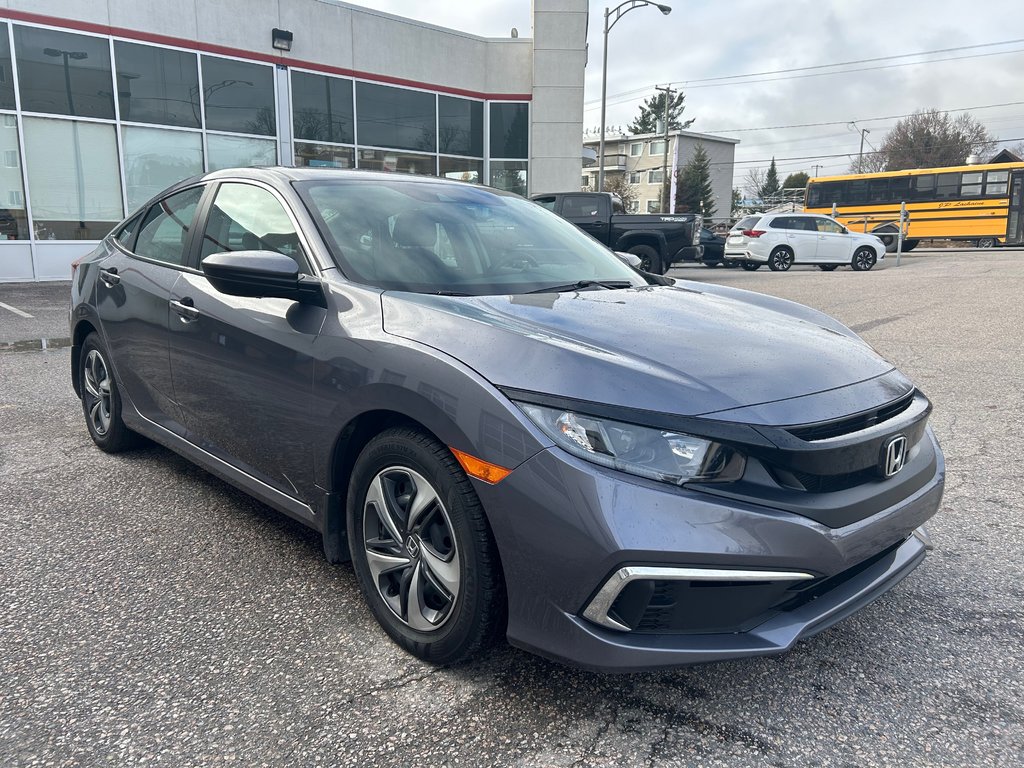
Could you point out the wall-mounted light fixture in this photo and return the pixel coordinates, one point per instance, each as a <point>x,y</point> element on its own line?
<point>282,39</point>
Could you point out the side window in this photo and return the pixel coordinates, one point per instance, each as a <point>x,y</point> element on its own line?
<point>126,235</point>
<point>580,207</point>
<point>245,217</point>
<point>782,222</point>
<point>827,225</point>
<point>995,182</point>
<point>948,186</point>
<point>163,234</point>
<point>546,202</point>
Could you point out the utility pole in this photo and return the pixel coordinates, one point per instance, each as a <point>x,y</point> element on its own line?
<point>669,94</point>
<point>860,155</point>
<point>816,167</point>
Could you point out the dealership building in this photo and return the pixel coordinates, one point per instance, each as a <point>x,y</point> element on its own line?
<point>105,103</point>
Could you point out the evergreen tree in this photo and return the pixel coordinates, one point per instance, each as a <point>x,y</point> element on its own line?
<point>771,181</point>
<point>693,185</point>
<point>653,110</point>
<point>737,201</point>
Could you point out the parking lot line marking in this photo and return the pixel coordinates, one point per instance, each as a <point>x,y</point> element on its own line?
<point>15,310</point>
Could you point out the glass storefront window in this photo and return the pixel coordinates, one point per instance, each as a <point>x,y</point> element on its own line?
<point>462,170</point>
<point>460,126</point>
<point>239,96</point>
<point>239,151</point>
<point>396,117</point>
<point>400,162</point>
<point>509,175</point>
<point>73,178</point>
<point>13,221</point>
<point>64,74</point>
<point>155,158</point>
<point>324,156</point>
<point>322,108</point>
<point>157,85</point>
<point>510,128</point>
<point>6,76</point>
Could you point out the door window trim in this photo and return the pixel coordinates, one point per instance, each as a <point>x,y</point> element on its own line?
<point>189,239</point>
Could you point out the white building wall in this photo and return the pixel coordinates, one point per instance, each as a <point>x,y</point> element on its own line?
<point>559,61</point>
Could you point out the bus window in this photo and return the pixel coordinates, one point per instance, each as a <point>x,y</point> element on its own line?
<point>949,185</point>
<point>878,191</point>
<point>857,192</point>
<point>995,182</point>
<point>813,195</point>
<point>923,187</point>
<point>971,184</point>
<point>899,188</point>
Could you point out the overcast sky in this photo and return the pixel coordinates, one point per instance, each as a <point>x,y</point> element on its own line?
<point>704,39</point>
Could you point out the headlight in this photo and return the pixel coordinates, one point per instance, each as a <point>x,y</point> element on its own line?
<point>656,454</point>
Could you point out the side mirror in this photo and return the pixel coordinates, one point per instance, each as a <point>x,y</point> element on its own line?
<point>629,259</point>
<point>846,231</point>
<point>262,274</point>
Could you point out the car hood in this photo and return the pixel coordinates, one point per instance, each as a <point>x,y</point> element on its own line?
<point>681,349</point>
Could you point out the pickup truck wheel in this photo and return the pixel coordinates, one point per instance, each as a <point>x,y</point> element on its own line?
<point>650,261</point>
<point>751,266</point>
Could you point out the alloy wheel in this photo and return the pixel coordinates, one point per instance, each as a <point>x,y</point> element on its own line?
<point>411,548</point>
<point>97,391</point>
<point>781,261</point>
<point>863,259</point>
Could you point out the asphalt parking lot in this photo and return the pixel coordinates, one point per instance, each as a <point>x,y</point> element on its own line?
<point>150,614</point>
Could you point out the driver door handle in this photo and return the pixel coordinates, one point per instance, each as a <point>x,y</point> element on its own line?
<point>185,309</point>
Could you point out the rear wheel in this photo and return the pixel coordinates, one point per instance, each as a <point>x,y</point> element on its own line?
<point>751,266</point>
<point>780,260</point>
<point>422,549</point>
<point>863,259</point>
<point>987,242</point>
<point>889,236</point>
<point>101,401</point>
<point>827,267</point>
<point>909,245</point>
<point>650,261</point>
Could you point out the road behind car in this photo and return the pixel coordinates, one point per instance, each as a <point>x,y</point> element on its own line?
<point>151,611</point>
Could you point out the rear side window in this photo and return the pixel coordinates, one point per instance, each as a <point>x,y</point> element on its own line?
<point>164,231</point>
<point>580,207</point>
<point>781,222</point>
<point>126,234</point>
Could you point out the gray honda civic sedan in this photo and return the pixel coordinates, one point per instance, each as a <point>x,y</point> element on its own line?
<point>508,430</point>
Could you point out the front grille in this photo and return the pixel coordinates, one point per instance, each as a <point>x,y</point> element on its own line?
<point>831,483</point>
<point>845,426</point>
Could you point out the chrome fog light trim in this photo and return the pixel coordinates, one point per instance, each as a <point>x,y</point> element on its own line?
<point>597,610</point>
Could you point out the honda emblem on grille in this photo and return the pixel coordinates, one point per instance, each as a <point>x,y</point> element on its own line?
<point>895,455</point>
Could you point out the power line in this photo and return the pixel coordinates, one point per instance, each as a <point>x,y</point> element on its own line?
<point>825,66</point>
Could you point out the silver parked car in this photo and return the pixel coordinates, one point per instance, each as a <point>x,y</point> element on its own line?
<point>781,240</point>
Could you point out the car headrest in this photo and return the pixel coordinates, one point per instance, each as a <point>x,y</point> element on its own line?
<point>414,229</point>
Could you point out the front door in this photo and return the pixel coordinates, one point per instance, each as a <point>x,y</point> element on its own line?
<point>834,245</point>
<point>242,367</point>
<point>132,292</point>
<point>1015,219</point>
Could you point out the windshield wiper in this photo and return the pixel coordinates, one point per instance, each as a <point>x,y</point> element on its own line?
<point>580,284</point>
<point>450,293</point>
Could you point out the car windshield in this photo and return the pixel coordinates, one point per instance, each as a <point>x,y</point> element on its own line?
<point>455,239</point>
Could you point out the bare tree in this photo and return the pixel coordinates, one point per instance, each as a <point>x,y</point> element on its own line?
<point>753,182</point>
<point>931,139</point>
<point>618,186</point>
<point>872,162</point>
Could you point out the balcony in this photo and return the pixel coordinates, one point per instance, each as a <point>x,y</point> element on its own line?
<point>615,162</point>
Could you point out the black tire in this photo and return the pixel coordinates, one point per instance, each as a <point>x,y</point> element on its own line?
<point>864,259</point>
<point>781,259</point>
<point>909,245</point>
<point>397,462</point>
<point>889,236</point>
<point>751,266</point>
<point>987,242</point>
<point>650,260</point>
<point>827,267</point>
<point>101,400</point>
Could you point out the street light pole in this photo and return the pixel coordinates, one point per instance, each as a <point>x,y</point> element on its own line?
<point>617,12</point>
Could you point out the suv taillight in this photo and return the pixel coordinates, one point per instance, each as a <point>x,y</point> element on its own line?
<point>753,232</point>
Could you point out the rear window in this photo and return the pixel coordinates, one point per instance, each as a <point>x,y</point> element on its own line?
<point>747,223</point>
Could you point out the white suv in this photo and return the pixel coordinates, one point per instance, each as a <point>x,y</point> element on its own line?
<point>781,240</point>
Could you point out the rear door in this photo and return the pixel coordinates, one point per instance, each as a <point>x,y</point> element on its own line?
<point>242,367</point>
<point>591,213</point>
<point>146,258</point>
<point>1015,219</point>
<point>834,245</point>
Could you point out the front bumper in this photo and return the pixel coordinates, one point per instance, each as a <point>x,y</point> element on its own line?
<point>565,528</point>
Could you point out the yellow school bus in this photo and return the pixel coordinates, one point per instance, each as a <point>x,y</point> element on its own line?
<point>979,203</point>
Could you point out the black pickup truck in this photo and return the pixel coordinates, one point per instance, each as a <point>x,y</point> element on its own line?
<point>660,240</point>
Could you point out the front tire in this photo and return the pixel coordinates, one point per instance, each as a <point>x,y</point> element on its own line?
<point>781,260</point>
<point>864,259</point>
<point>422,550</point>
<point>987,242</point>
<point>101,400</point>
<point>650,261</point>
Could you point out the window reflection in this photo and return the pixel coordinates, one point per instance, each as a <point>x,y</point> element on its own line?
<point>240,151</point>
<point>510,127</point>
<point>13,221</point>
<point>462,170</point>
<point>460,126</point>
<point>154,159</point>
<point>400,162</point>
<point>239,96</point>
<point>63,73</point>
<point>396,117</point>
<point>157,85</point>
<point>322,108</point>
<point>324,156</point>
<point>7,80</point>
<point>509,175</point>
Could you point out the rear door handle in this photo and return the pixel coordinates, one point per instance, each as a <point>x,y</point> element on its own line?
<point>109,276</point>
<point>185,309</point>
